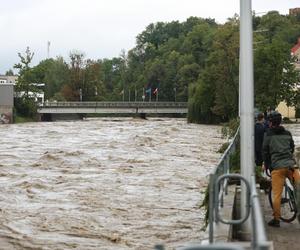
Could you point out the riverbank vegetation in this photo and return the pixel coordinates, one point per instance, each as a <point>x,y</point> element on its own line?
<point>195,61</point>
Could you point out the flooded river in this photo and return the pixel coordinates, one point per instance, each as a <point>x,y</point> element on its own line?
<point>104,183</point>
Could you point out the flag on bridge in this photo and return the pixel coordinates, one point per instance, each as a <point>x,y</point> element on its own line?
<point>155,91</point>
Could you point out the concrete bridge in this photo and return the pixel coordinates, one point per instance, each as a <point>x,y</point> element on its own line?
<point>50,109</point>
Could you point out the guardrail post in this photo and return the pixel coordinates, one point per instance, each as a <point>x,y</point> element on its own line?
<point>211,210</point>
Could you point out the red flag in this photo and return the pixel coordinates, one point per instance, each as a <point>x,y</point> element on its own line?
<point>155,91</point>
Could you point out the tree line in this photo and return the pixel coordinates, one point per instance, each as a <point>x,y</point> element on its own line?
<point>196,61</point>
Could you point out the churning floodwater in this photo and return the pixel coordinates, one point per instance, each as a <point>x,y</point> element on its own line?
<point>108,183</point>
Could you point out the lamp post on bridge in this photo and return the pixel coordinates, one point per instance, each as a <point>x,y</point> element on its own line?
<point>175,93</point>
<point>80,95</point>
<point>143,96</point>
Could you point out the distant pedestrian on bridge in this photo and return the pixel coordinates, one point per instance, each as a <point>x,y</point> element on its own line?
<point>278,148</point>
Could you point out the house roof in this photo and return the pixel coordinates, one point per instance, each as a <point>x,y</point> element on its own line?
<point>296,47</point>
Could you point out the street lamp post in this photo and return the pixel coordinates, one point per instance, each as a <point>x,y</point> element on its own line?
<point>175,93</point>
<point>143,96</point>
<point>246,103</point>
<point>80,95</point>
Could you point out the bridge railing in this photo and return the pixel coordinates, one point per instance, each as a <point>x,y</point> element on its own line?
<point>217,191</point>
<point>114,104</point>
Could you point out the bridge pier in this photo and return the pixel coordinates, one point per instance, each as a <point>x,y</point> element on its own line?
<point>143,115</point>
<point>47,117</point>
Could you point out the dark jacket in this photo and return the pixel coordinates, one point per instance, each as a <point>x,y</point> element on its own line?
<point>278,148</point>
<point>259,131</point>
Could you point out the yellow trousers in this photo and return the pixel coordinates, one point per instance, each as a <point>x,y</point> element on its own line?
<point>278,179</point>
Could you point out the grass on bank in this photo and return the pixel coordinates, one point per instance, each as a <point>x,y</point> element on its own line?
<point>21,119</point>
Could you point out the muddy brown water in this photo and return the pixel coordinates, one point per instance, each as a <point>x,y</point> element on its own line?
<point>104,183</point>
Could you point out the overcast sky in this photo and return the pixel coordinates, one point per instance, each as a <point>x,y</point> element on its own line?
<point>100,28</point>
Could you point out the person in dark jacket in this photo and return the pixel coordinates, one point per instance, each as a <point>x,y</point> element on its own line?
<point>278,148</point>
<point>259,131</point>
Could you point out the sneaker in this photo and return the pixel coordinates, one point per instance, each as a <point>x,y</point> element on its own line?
<point>274,223</point>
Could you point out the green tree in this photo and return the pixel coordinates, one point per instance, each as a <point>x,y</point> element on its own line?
<point>215,96</point>
<point>56,77</point>
<point>9,72</point>
<point>76,85</point>
<point>275,76</point>
<point>25,104</point>
<point>25,76</point>
<point>94,89</point>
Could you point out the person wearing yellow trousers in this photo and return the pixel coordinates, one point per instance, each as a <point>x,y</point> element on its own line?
<point>278,148</point>
<point>278,178</point>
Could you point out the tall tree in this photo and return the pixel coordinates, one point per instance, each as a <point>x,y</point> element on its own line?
<point>24,104</point>
<point>25,76</point>
<point>57,76</point>
<point>9,72</point>
<point>275,76</point>
<point>76,86</point>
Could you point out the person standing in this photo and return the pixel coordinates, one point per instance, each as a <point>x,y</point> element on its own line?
<point>259,131</point>
<point>278,148</point>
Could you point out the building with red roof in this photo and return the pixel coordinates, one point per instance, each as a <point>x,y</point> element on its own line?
<point>282,107</point>
<point>295,51</point>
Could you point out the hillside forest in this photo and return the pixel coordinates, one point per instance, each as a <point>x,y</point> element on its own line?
<point>196,61</point>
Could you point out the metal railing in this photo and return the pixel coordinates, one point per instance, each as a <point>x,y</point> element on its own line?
<point>223,166</point>
<point>259,237</point>
<point>217,190</point>
<point>114,104</point>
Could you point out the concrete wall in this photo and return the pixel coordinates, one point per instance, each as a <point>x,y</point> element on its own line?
<point>6,103</point>
<point>6,95</point>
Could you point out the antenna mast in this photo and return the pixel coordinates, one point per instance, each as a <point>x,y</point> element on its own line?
<point>48,49</point>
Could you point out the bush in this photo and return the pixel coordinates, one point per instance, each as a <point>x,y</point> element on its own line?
<point>26,107</point>
<point>229,129</point>
<point>223,148</point>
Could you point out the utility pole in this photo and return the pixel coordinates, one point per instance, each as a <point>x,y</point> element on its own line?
<point>175,93</point>
<point>246,103</point>
<point>80,94</point>
<point>143,96</point>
